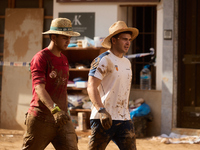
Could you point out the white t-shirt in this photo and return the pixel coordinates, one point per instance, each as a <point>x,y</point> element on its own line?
<point>116,76</point>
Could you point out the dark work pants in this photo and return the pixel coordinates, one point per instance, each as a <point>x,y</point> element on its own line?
<point>40,133</point>
<point>121,133</point>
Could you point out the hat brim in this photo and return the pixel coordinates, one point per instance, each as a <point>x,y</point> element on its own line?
<point>106,42</point>
<point>66,33</point>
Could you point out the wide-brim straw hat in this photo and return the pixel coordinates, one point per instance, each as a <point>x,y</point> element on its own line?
<point>118,27</point>
<point>62,26</point>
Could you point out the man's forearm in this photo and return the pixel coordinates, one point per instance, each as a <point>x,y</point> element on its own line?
<point>95,98</point>
<point>93,92</point>
<point>44,96</point>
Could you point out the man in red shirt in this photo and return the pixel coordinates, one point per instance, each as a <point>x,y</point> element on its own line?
<point>48,120</point>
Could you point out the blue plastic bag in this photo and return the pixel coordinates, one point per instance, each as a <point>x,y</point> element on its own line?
<point>72,45</point>
<point>142,110</point>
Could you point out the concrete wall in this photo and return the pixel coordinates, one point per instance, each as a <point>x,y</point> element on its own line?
<point>159,46</point>
<point>167,80</point>
<point>22,39</point>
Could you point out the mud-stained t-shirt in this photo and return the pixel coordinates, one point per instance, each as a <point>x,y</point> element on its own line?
<point>116,76</point>
<point>53,71</point>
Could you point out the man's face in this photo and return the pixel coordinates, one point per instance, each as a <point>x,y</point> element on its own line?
<point>123,43</point>
<point>62,42</point>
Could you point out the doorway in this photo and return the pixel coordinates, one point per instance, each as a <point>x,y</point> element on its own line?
<point>188,114</point>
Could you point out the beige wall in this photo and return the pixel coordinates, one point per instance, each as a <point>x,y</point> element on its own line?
<point>105,15</point>
<point>159,46</point>
<point>22,39</point>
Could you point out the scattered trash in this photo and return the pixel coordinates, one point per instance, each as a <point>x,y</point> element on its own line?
<point>7,135</point>
<point>89,136</point>
<point>142,110</point>
<point>87,105</point>
<point>140,114</point>
<point>140,124</point>
<point>174,138</point>
<point>76,99</point>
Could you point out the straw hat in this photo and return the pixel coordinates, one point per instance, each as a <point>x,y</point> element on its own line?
<point>118,27</point>
<point>61,26</point>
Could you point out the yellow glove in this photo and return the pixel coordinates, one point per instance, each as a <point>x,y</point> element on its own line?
<point>61,117</point>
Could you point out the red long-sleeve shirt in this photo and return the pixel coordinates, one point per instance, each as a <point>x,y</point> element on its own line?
<point>53,71</point>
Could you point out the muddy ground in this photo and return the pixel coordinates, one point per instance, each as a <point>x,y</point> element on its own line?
<point>12,140</point>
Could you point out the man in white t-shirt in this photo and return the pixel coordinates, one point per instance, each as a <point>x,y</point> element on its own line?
<point>109,86</point>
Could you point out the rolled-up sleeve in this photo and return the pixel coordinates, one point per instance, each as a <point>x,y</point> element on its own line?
<point>38,69</point>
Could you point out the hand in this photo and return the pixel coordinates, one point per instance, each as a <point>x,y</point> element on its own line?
<point>105,118</point>
<point>61,118</point>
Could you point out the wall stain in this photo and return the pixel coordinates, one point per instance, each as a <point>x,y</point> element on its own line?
<point>20,34</point>
<point>23,40</point>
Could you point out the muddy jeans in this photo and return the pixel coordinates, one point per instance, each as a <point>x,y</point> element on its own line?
<point>121,133</point>
<point>40,133</point>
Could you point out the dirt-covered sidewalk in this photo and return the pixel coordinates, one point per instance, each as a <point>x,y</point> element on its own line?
<point>12,140</point>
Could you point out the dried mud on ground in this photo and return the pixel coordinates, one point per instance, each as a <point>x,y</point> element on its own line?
<point>12,140</point>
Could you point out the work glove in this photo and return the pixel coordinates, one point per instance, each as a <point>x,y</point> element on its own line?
<point>105,118</point>
<point>61,117</point>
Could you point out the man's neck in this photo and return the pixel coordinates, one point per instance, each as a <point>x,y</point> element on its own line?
<point>54,49</point>
<point>120,55</point>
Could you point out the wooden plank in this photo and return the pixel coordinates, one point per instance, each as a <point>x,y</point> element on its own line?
<point>139,1</point>
<point>81,48</point>
<point>46,36</point>
<point>186,131</point>
<point>48,17</point>
<point>74,69</point>
<point>11,3</point>
<point>40,3</point>
<point>75,88</point>
<point>80,110</point>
